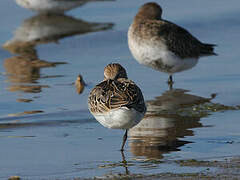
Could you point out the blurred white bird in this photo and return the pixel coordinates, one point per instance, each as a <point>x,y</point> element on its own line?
<point>52,6</point>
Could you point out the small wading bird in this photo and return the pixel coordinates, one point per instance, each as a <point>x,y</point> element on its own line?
<point>117,102</point>
<point>163,45</point>
<point>79,84</point>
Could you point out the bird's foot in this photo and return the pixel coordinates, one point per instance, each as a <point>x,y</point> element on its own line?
<point>170,82</point>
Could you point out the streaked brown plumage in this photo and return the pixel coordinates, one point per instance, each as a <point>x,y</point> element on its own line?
<point>117,102</point>
<point>112,94</point>
<point>114,71</point>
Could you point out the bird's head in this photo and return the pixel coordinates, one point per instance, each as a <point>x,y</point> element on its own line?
<point>114,71</point>
<point>150,10</point>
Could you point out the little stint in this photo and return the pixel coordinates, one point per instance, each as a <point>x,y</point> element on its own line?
<point>163,45</point>
<point>117,102</point>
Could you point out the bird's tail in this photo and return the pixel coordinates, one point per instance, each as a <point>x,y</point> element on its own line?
<point>208,50</point>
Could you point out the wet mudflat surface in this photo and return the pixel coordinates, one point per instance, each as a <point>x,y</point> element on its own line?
<point>46,130</point>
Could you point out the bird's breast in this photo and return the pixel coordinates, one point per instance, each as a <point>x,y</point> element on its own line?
<point>120,118</point>
<point>155,54</point>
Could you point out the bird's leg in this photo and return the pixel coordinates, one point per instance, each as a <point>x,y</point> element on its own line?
<point>124,140</point>
<point>124,163</point>
<point>170,82</point>
<point>170,79</point>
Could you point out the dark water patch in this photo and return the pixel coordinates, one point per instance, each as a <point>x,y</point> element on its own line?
<point>50,123</point>
<point>26,112</point>
<point>63,115</point>
<point>17,136</point>
<point>24,100</point>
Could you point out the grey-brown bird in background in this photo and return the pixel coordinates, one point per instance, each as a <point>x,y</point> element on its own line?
<point>163,45</point>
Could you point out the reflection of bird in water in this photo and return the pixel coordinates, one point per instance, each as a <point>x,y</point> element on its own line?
<point>124,162</point>
<point>175,99</point>
<point>159,130</point>
<point>25,49</point>
<point>22,70</point>
<point>117,102</point>
<point>50,28</point>
<point>80,84</point>
<point>52,6</point>
<point>163,45</point>
<point>36,30</point>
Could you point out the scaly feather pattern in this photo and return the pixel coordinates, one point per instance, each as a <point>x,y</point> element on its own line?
<point>112,94</point>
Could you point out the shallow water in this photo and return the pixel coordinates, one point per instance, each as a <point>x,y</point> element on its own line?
<point>60,139</point>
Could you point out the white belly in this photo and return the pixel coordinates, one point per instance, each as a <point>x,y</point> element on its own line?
<point>121,118</point>
<point>155,54</point>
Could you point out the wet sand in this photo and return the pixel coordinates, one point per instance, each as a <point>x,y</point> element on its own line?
<point>46,130</point>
